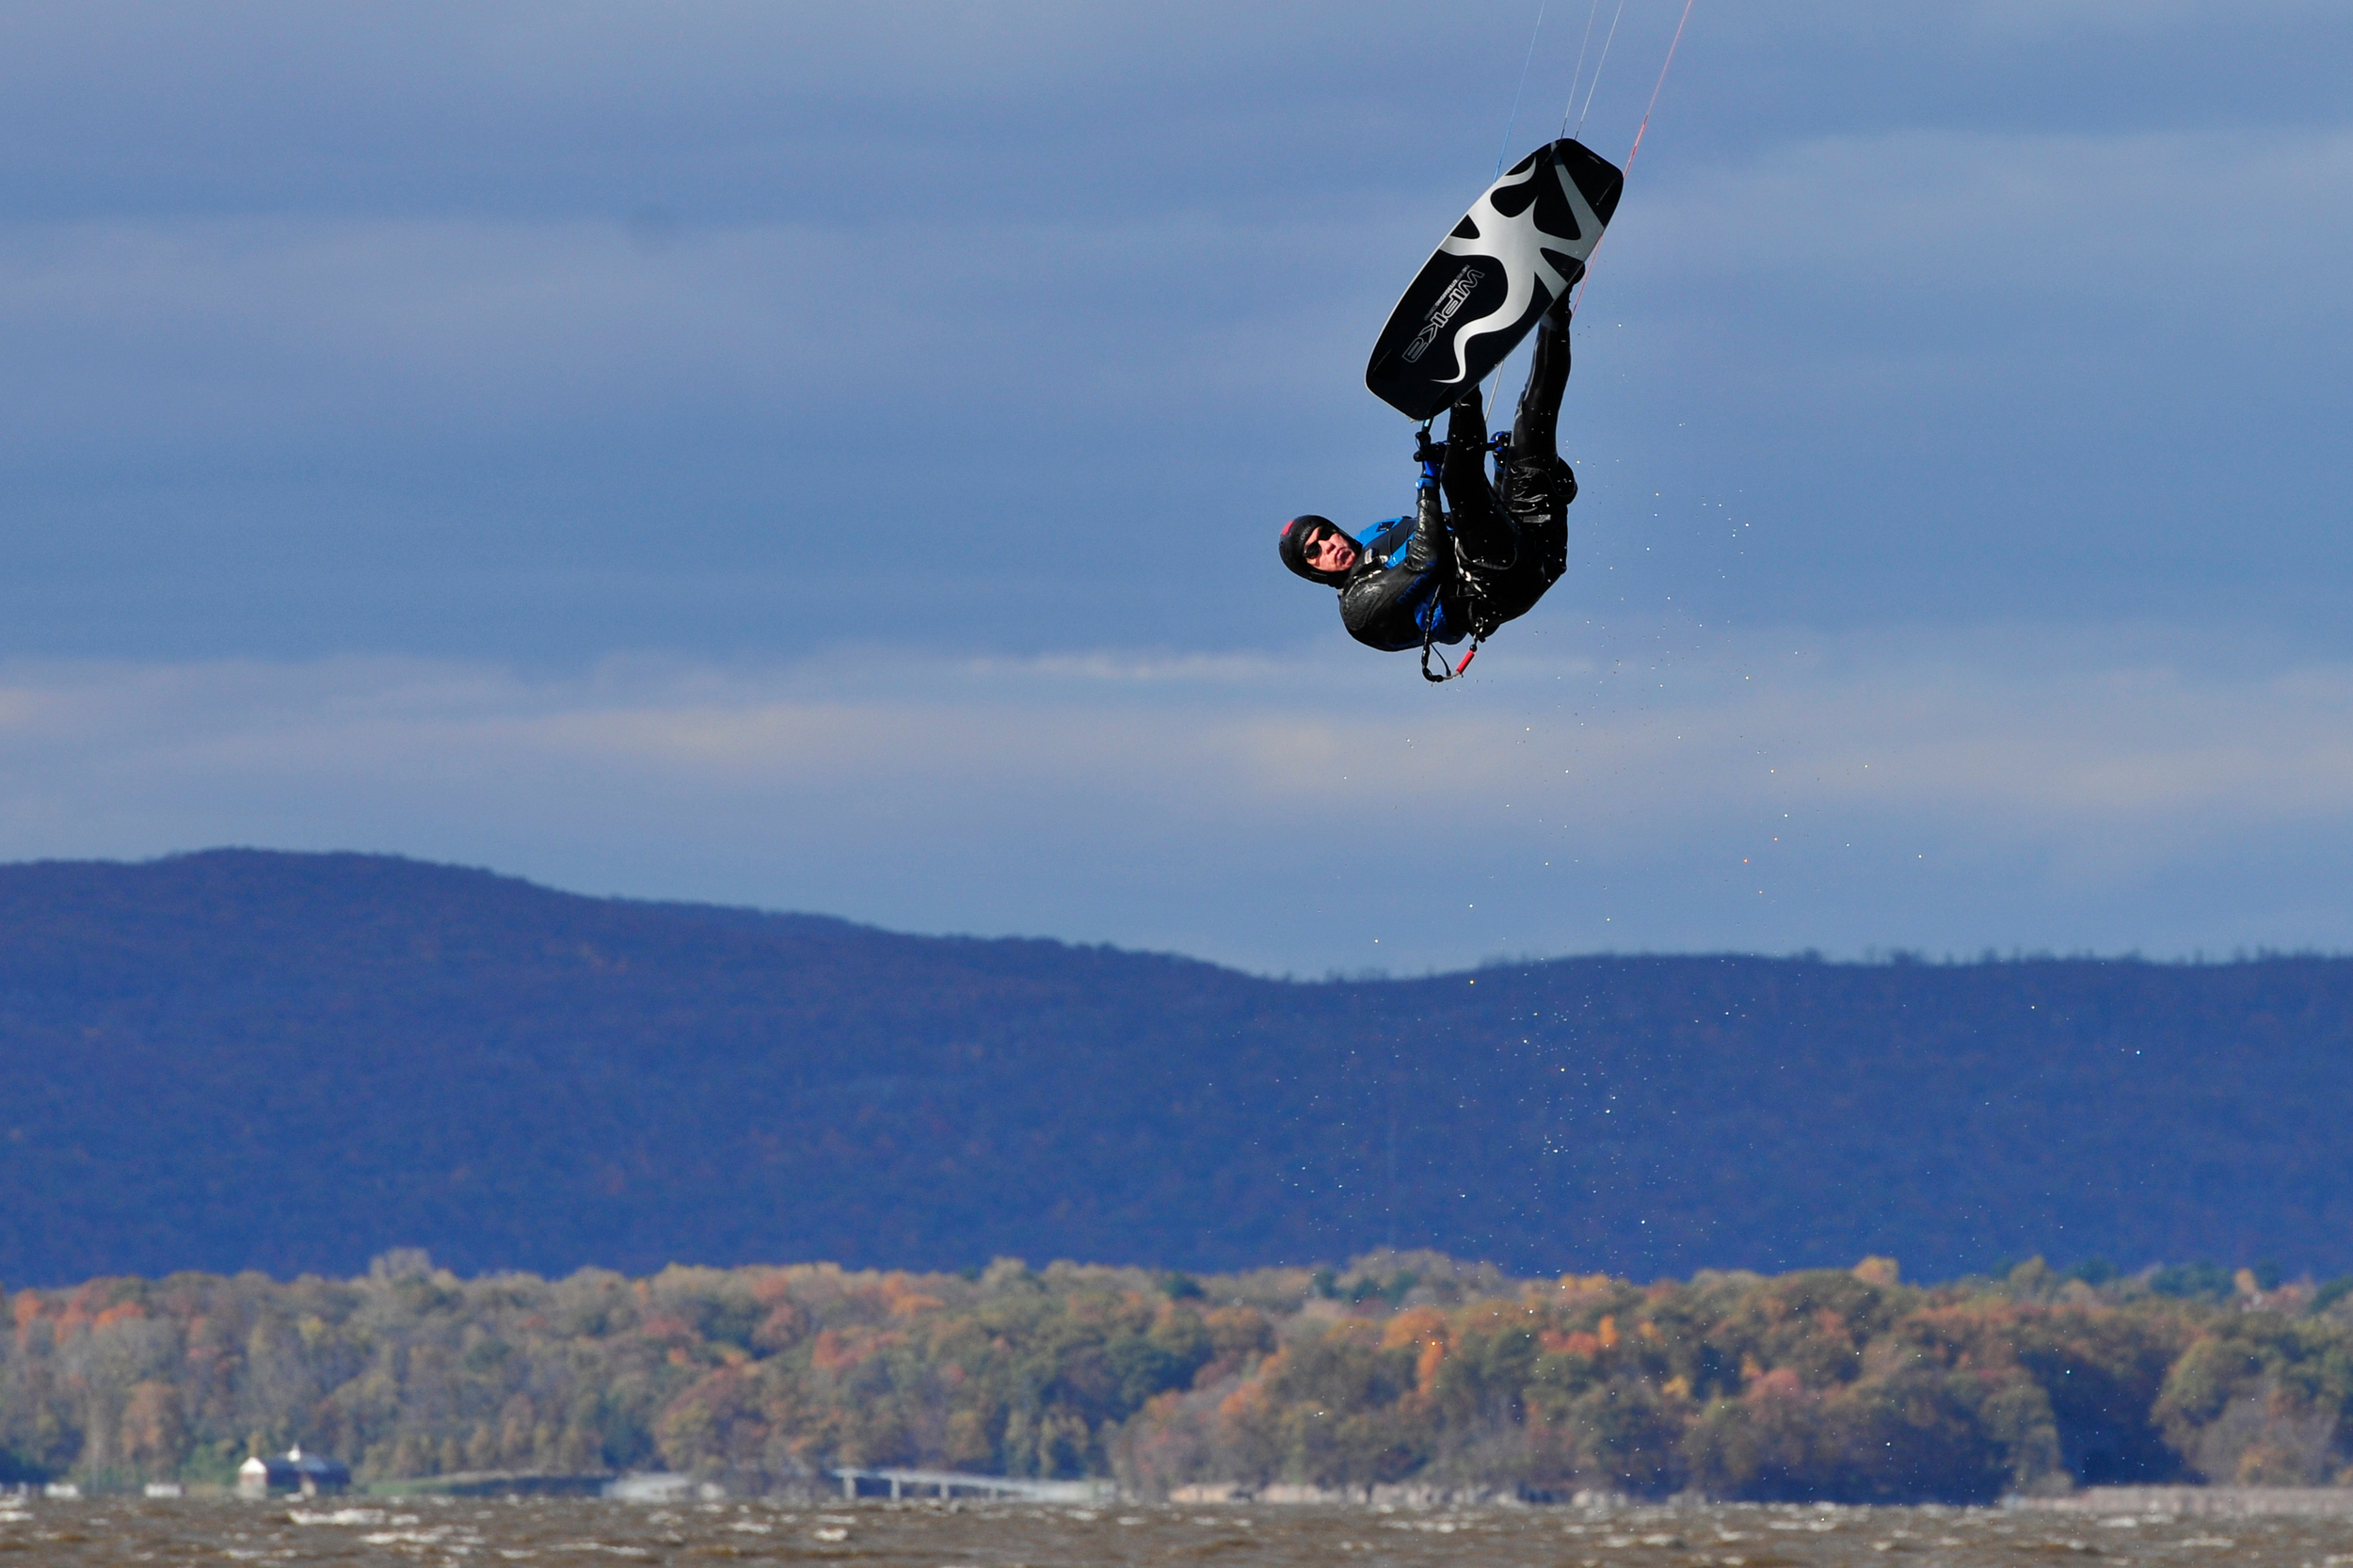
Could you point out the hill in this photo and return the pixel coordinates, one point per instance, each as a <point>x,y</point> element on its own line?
<point>292,1063</point>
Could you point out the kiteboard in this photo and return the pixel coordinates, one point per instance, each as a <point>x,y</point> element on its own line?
<point>1522,246</point>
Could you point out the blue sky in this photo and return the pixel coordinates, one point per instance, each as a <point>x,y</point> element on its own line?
<point>827,458</point>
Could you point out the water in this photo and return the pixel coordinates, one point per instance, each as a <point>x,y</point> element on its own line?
<point>556,1532</point>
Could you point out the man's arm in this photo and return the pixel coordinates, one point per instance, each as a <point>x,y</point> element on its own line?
<point>1388,607</point>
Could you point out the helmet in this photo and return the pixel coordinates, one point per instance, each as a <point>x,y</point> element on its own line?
<point>1293,548</point>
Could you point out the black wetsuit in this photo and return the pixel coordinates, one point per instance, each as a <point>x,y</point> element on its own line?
<point>1484,558</point>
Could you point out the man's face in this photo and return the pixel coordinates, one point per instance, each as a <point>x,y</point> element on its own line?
<point>1329,549</point>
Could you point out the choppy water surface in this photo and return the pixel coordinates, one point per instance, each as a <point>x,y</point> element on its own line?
<point>555,1532</point>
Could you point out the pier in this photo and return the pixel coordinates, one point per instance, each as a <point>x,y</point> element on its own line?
<point>954,1483</point>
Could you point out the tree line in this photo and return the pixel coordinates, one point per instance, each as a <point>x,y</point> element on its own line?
<point>1826,1384</point>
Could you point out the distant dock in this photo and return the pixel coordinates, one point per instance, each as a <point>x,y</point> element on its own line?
<point>2198,1502</point>
<point>958,1483</point>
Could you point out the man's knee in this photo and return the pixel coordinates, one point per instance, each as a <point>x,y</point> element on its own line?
<point>1539,487</point>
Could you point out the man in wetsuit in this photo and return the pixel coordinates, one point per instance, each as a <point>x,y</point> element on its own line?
<point>1465,568</point>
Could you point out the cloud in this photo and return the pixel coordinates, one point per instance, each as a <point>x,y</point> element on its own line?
<point>540,333</point>
<point>1971,220</point>
<point>2012,786</point>
<point>377,338</point>
<point>738,452</point>
<point>2045,18</point>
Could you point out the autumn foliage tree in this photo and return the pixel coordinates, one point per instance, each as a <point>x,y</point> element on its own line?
<point>1823,1385</point>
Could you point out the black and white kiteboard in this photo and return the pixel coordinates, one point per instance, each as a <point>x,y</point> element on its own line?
<point>1522,246</point>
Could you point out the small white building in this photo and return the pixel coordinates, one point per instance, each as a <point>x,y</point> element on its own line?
<point>310,1475</point>
<point>661,1486</point>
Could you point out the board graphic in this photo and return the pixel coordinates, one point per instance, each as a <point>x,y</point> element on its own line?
<point>1521,247</point>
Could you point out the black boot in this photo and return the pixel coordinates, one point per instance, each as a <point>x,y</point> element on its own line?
<point>1540,482</point>
<point>1538,417</point>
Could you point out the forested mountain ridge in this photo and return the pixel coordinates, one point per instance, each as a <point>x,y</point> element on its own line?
<point>245,1059</point>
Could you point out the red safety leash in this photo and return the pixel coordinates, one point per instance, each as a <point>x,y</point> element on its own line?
<point>1654,91</point>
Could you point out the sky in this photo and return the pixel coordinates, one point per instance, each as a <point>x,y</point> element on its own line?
<point>828,458</point>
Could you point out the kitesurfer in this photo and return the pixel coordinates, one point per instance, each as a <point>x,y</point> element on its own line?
<point>1466,567</point>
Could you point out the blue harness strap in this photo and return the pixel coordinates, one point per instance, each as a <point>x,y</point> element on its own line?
<point>1387,541</point>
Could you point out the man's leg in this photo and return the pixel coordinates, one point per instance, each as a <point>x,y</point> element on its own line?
<point>1540,486</point>
<point>1484,538</point>
<point>1540,482</point>
<point>1535,427</point>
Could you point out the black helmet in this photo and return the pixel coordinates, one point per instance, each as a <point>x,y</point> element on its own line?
<point>1293,548</point>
